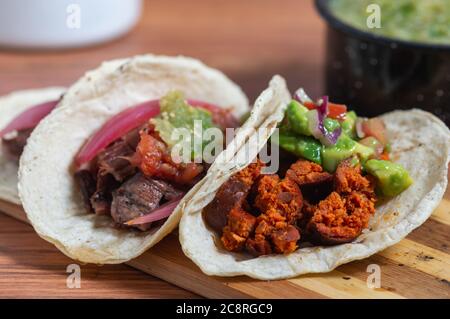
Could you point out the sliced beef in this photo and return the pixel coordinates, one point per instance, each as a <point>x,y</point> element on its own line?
<point>86,182</point>
<point>231,194</point>
<point>139,196</point>
<point>102,197</point>
<point>116,160</point>
<point>15,142</point>
<point>132,138</point>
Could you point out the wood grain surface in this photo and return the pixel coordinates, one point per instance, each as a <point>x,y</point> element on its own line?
<point>250,41</point>
<point>416,267</point>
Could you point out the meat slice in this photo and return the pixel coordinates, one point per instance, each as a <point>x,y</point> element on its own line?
<point>285,240</point>
<point>116,160</point>
<point>258,246</point>
<point>279,197</point>
<point>139,196</point>
<point>86,182</point>
<point>101,199</point>
<point>239,227</point>
<point>231,194</point>
<point>15,142</point>
<point>280,203</point>
<point>313,181</point>
<point>304,172</point>
<point>341,217</point>
<point>348,178</point>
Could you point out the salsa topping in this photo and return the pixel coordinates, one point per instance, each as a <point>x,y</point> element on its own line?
<point>126,170</point>
<point>328,141</point>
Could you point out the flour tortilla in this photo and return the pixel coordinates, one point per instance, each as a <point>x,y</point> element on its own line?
<point>420,142</point>
<point>11,106</point>
<point>49,195</point>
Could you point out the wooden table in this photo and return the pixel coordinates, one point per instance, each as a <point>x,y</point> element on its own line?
<point>249,40</point>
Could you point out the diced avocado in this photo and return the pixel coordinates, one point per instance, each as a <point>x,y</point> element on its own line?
<point>330,124</point>
<point>363,151</point>
<point>303,146</point>
<point>348,125</point>
<point>392,178</point>
<point>297,119</point>
<point>372,142</point>
<point>343,149</point>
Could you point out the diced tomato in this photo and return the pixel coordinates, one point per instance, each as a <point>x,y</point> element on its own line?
<point>335,111</point>
<point>310,105</point>
<point>375,127</point>
<point>151,152</point>
<point>385,156</point>
<point>156,160</point>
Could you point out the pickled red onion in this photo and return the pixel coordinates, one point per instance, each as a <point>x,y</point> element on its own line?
<point>124,122</point>
<point>159,213</point>
<point>30,117</point>
<point>116,127</point>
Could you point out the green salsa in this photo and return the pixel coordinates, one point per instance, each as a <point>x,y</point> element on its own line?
<point>426,21</point>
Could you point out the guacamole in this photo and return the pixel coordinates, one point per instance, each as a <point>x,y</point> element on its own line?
<point>426,21</point>
<point>298,135</point>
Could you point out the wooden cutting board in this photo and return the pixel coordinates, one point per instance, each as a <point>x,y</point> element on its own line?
<point>417,267</point>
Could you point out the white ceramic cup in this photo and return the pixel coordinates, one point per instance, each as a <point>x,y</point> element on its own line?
<point>43,24</point>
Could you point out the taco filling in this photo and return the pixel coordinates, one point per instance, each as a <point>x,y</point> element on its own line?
<point>15,135</point>
<point>127,169</point>
<point>334,168</point>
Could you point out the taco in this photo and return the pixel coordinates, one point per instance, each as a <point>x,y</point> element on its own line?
<point>345,188</point>
<point>20,112</point>
<point>98,177</point>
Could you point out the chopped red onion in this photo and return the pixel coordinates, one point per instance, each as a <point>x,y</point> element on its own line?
<point>359,127</point>
<point>323,106</point>
<point>316,124</point>
<point>301,96</point>
<point>330,138</point>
